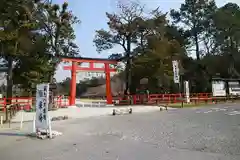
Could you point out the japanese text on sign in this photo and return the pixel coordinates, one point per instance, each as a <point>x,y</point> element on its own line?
<point>176,77</point>
<point>42,100</point>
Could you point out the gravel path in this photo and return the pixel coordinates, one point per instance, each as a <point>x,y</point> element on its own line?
<point>181,134</point>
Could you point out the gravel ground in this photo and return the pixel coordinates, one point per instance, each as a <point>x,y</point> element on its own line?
<point>181,134</point>
<point>82,112</point>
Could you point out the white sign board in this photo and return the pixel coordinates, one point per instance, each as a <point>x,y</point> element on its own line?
<point>42,101</point>
<point>234,88</point>
<point>187,92</point>
<point>176,77</point>
<point>218,88</point>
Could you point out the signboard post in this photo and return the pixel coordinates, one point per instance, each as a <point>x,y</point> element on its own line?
<point>176,77</point>
<point>42,101</point>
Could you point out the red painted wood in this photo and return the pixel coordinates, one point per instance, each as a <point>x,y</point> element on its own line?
<point>90,60</point>
<point>108,84</point>
<point>91,65</point>
<point>72,98</point>
<point>88,69</point>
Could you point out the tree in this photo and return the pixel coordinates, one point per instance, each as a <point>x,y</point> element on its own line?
<point>16,24</point>
<point>194,15</point>
<point>39,62</point>
<point>56,23</point>
<point>33,35</point>
<point>123,29</point>
<point>179,35</point>
<point>64,86</point>
<point>162,43</point>
<point>227,35</point>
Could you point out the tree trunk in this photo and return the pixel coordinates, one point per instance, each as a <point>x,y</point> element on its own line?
<point>9,78</point>
<point>51,96</point>
<point>127,76</point>
<point>233,50</point>
<point>197,46</point>
<point>9,83</point>
<point>128,66</point>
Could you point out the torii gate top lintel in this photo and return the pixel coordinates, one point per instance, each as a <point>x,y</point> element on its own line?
<point>88,59</point>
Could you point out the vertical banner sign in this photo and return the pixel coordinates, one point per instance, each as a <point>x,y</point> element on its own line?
<point>176,77</point>
<point>42,101</point>
<point>187,92</point>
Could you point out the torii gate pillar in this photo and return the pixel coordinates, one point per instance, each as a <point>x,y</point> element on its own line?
<point>73,85</point>
<point>108,84</point>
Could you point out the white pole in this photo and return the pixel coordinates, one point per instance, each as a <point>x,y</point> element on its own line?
<point>50,127</point>
<point>1,120</point>
<point>21,124</point>
<point>187,92</point>
<point>34,125</point>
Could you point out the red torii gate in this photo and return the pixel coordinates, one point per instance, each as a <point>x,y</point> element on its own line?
<point>75,67</point>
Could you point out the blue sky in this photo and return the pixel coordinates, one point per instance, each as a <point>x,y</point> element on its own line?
<point>92,16</point>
